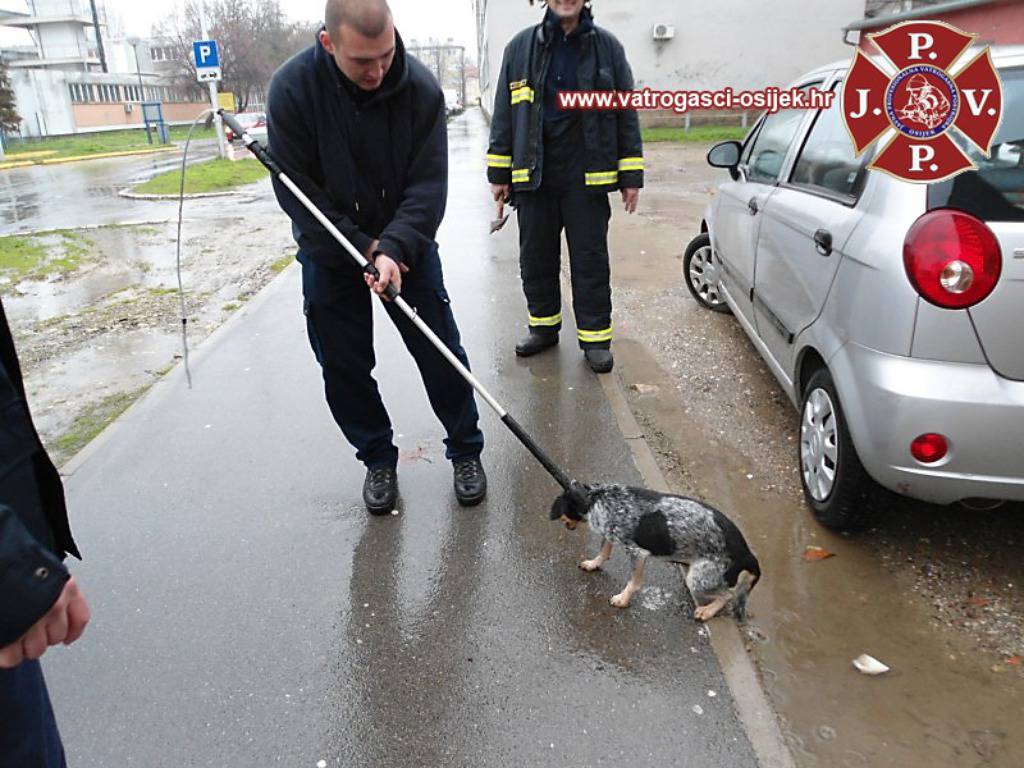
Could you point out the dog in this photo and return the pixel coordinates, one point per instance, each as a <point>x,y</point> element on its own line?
<point>720,568</point>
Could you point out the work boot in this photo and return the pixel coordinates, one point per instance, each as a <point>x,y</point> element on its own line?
<point>536,341</point>
<point>380,490</point>
<point>470,481</point>
<point>599,360</point>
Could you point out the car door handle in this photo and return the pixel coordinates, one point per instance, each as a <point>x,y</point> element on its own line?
<point>823,242</point>
<point>752,206</point>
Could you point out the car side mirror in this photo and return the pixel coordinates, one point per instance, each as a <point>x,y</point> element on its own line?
<point>726,154</point>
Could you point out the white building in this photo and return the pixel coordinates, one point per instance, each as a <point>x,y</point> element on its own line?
<point>66,82</point>
<point>692,44</point>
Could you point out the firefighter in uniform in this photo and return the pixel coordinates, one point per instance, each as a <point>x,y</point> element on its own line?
<point>560,165</point>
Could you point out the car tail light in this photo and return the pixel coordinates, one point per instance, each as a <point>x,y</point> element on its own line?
<point>929,448</point>
<point>952,259</point>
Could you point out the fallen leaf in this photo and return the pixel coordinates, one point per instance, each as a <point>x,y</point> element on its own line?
<point>1014,661</point>
<point>980,602</point>
<point>813,554</point>
<point>419,453</point>
<point>644,389</point>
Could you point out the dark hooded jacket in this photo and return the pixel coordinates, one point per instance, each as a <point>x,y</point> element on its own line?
<point>612,147</point>
<point>375,163</point>
<point>34,531</point>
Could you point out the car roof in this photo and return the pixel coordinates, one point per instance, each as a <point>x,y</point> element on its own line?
<point>1003,56</point>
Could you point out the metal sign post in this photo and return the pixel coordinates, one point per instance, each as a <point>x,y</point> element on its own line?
<point>208,70</point>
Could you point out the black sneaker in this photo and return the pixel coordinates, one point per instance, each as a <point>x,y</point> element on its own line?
<point>599,360</point>
<point>470,482</point>
<point>536,341</point>
<point>380,490</point>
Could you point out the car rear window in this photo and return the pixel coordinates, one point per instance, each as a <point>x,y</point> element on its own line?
<point>994,192</point>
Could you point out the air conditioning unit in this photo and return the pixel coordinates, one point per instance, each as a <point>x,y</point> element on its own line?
<point>663,32</point>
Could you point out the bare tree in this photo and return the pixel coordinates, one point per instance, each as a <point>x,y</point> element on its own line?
<point>253,39</point>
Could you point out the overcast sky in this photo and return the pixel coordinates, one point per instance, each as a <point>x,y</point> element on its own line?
<point>421,19</point>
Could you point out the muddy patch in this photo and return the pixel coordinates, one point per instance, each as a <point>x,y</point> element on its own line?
<point>97,319</point>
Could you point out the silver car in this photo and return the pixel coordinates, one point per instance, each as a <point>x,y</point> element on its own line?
<point>892,313</point>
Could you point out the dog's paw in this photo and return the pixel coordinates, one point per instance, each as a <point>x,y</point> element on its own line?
<point>705,612</point>
<point>620,600</point>
<point>590,565</point>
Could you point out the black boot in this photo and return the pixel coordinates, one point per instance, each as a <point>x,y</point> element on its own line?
<point>599,360</point>
<point>380,490</point>
<point>536,341</point>
<point>470,481</point>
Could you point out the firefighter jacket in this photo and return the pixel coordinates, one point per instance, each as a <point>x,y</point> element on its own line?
<point>613,149</point>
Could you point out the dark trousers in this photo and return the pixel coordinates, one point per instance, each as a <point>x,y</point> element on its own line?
<point>584,217</point>
<point>339,319</point>
<point>28,730</point>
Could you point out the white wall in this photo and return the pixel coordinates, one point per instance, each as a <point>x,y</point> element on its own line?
<point>43,101</point>
<point>738,43</point>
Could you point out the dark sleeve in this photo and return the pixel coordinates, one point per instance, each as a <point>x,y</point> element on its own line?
<point>412,229</point>
<point>294,147</point>
<point>499,149</point>
<point>31,578</point>
<point>631,146</point>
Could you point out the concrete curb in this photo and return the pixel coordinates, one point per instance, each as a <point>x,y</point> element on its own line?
<point>102,155</point>
<point>127,193</point>
<point>753,709</point>
<point>112,225</point>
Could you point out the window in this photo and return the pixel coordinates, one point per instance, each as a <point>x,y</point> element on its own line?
<point>995,191</point>
<point>768,149</point>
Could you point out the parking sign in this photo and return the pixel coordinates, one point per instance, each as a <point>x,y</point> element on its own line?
<point>207,60</point>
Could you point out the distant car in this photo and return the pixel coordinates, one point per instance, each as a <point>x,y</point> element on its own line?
<point>452,102</point>
<point>890,312</point>
<point>254,123</point>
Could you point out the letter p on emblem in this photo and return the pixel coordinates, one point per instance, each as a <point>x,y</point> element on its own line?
<point>920,41</point>
<point>920,153</point>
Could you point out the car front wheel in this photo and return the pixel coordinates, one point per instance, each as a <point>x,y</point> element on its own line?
<point>840,492</point>
<point>701,273</point>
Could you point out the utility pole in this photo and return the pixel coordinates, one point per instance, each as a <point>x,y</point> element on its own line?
<point>99,35</point>
<point>213,86</point>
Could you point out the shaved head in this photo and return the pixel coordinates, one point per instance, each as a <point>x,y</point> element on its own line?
<point>367,17</point>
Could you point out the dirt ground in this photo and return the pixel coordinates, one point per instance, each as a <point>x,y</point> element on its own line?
<point>933,592</point>
<point>95,337</point>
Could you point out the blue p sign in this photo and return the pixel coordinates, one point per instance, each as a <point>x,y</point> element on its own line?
<point>205,52</point>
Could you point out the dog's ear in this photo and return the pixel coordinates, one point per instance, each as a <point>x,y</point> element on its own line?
<point>559,507</point>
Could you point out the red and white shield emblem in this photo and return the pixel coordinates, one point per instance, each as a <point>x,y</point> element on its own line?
<point>917,109</point>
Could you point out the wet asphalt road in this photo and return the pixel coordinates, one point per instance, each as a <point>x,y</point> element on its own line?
<point>247,612</point>
<point>84,194</point>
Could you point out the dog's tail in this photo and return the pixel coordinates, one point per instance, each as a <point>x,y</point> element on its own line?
<point>747,576</point>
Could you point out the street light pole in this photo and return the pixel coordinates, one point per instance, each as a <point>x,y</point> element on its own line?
<point>134,43</point>
<point>213,88</point>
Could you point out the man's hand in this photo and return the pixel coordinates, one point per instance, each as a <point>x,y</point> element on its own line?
<point>390,272</point>
<point>630,197</point>
<point>63,623</point>
<point>500,193</point>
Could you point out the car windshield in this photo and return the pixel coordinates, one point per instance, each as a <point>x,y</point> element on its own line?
<point>994,192</point>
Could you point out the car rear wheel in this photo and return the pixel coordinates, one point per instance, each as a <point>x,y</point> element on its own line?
<point>840,492</point>
<point>701,273</point>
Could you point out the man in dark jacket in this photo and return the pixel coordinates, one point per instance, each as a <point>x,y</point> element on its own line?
<point>361,128</point>
<point>561,165</point>
<point>40,604</point>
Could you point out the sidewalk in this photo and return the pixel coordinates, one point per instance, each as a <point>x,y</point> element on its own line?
<point>247,612</point>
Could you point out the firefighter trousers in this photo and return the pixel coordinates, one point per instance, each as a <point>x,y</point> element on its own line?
<point>584,216</point>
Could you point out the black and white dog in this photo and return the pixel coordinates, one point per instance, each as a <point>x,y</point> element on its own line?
<point>720,568</point>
